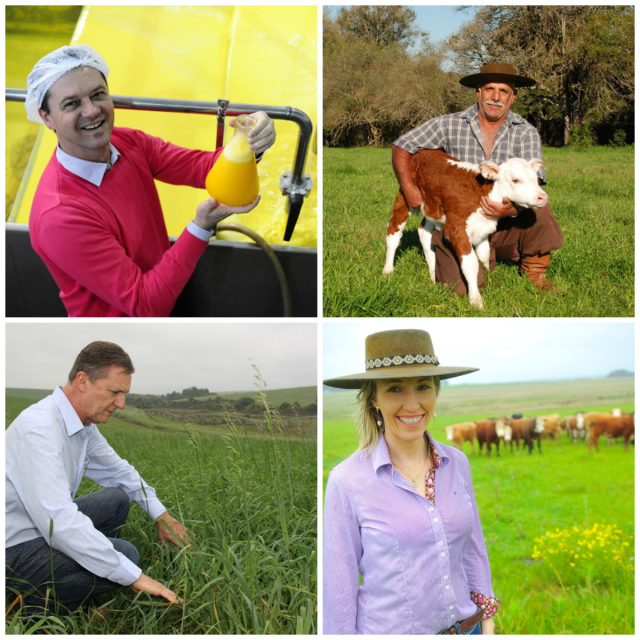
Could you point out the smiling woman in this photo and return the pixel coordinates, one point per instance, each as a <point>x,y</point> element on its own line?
<point>406,406</point>
<point>401,511</point>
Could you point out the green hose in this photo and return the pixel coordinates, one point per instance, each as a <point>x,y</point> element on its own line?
<point>273,258</point>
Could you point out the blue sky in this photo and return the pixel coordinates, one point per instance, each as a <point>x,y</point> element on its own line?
<point>441,22</point>
<point>505,350</point>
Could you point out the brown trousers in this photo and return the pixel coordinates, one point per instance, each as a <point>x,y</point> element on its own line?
<point>531,233</point>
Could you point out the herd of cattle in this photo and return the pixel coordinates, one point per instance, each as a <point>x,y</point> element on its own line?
<point>587,427</point>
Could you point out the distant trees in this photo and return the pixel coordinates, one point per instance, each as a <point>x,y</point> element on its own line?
<point>382,76</point>
<point>383,26</point>
<point>621,373</point>
<point>194,392</point>
<point>581,56</point>
<point>192,400</point>
<point>374,88</point>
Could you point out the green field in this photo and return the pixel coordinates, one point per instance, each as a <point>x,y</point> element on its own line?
<point>252,504</point>
<point>521,498</point>
<point>591,193</point>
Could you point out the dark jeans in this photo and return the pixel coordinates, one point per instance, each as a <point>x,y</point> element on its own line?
<point>31,561</point>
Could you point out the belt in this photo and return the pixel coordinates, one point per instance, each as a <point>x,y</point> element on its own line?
<point>465,625</point>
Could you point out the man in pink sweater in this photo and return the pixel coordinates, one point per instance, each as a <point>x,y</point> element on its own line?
<point>96,219</point>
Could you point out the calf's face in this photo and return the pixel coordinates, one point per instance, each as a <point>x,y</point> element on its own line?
<point>518,181</point>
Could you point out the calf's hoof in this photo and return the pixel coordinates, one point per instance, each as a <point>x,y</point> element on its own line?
<point>477,302</point>
<point>387,270</point>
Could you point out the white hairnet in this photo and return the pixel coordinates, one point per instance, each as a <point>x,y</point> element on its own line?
<point>50,68</point>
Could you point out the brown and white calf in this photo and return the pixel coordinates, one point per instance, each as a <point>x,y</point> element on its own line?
<point>550,426</point>
<point>574,426</point>
<point>461,433</point>
<point>451,192</point>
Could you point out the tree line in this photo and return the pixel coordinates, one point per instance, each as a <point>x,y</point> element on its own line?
<point>383,76</point>
<point>214,403</point>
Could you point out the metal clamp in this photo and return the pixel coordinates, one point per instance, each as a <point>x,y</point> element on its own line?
<point>289,187</point>
<point>222,112</point>
<point>296,191</point>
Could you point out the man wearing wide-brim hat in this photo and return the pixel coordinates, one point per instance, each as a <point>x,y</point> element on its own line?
<point>487,131</point>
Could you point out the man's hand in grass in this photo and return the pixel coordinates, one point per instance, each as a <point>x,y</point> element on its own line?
<point>154,588</point>
<point>171,530</point>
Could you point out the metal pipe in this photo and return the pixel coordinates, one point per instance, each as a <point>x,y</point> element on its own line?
<point>294,184</point>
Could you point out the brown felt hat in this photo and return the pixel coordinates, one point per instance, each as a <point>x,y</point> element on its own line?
<point>497,72</point>
<point>407,353</point>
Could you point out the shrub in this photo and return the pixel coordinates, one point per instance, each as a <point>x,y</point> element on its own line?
<point>582,137</point>
<point>619,139</point>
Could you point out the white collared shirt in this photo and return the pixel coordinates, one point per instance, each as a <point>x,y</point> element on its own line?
<point>92,172</point>
<point>48,451</point>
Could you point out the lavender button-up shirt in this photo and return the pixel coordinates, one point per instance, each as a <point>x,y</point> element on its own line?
<point>418,562</point>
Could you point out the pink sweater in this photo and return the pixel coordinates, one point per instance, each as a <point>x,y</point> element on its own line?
<point>107,247</point>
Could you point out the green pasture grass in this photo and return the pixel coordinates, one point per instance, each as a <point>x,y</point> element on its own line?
<point>521,497</point>
<point>31,394</point>
<point>291,429</point>
<point>252,505</point>
<point>302,395</point>
<point>591,194</point>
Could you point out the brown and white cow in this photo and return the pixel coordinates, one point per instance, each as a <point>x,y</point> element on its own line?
<point>451,192</point>
<point>460,433</point>
<point>550,426</point>
<point>527,430</point>
<point>594,416</point>
<point>612,427</point>
<point>574,426</point>
<point>486,434</point>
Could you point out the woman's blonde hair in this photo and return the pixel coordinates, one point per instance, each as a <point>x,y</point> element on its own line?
<point>366,416</point>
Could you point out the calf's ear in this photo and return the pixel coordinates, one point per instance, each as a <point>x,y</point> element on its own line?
<point>536,164</point>
<point>489,170</point>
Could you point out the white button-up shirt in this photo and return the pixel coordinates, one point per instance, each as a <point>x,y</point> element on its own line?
<point>48,450</point>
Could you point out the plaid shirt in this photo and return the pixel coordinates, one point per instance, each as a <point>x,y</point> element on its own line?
<point>459,135</point>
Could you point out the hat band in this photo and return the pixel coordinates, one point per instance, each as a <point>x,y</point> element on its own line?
<point>396,361</point>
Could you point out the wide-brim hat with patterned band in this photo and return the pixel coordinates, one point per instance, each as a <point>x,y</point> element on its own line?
<point>407,353</point>
<point>497,72</point>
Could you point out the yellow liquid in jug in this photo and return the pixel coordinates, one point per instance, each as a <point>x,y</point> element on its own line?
<point>233,179</point>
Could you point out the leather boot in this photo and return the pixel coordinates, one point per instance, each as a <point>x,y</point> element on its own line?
<point>535,267</point>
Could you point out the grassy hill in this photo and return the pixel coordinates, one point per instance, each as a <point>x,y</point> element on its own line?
<point>30,394</point>
<point>303,395</point>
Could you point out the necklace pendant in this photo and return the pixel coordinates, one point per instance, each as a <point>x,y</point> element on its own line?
<point>415,484</point>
